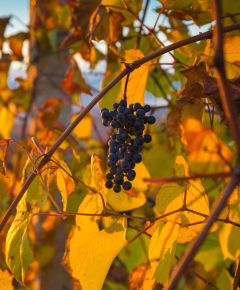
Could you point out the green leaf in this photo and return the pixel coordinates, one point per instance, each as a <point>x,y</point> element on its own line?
<point>19,254</point>
<point>162,252</point>
<point>36,195</point>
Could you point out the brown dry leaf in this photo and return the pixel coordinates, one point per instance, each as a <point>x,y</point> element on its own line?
<point>49,113</point>
<point>204,147</point>
<point>98,22</point>
<point>137,277</point>
<point>74,82</point>
<point>3,23</point>
<point>16,43</point>
<point>3,149</point>
<point>4,66</point>
<point>115,25</point>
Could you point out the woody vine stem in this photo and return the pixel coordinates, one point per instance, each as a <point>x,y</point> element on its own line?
<point>228,109</point>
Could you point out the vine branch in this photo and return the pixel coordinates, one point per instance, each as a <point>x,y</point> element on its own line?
<point>231,117</point>
<point>134,65</point>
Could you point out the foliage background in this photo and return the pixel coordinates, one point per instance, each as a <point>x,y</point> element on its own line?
<point>68,229</point>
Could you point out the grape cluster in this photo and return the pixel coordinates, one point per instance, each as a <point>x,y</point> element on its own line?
<point>126,142</point>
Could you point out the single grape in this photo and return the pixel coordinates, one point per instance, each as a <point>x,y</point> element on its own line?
<point>147,138</point>
<point>137,157</point>
<point>147,108</point>
<point>117,188</point>
<point>127,185</point>
<point>151,119</point>
<point>108,184</point>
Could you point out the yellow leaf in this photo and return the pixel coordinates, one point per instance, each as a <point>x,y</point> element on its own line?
<point>84,128</point>
<point>125,200</point>
<point>137,79</point>
<point>93,204</point>
<point>141,173</point>
<point>18,251</point>
<point>65,183</point>
<point>171,197</point>
<point>97,178</point>
<point>161,254</point>
<point>7,118</point>
<point>6,280</point>
<point>91,254</point>
<point>204,148</point>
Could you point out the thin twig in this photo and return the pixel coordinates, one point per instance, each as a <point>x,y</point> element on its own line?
<point>236,277</point>
<point>163,180</point>
<point>98,97</point>
<point>228,105</point>
<point>141,25</point>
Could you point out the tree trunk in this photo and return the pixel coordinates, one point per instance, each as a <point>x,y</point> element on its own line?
<point>50,68</point>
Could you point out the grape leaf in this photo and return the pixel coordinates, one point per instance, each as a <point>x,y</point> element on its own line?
<point>125,200</point>
<point>205,151</point>
<point>229,238</point>
<point>7,117</point>
<point>97,177</point>
<point>161,254</point>
<point>137,80</point>
<point>91,253</point>
<point>36,194</point>
<point>84,128</point>
<point>6,280</point>
<point>65,183</point>
<point>141,172</point>
<point>171,197</point>
<point>19,254</point>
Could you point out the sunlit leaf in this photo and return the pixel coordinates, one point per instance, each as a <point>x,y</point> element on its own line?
<point>98,177</point>
<point>92,252</point>
<point>204,148</point>
<point>141,172</point>
<point>6,280</point>
<point>65,183</point>
<point>172,197</point>
<point>36,194</point>
<point>161,254</point>
<point>84,128</point>
<point>7,117</point>
<point>125,200</point>
<point>137,80</point>
<point>18,251</point>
